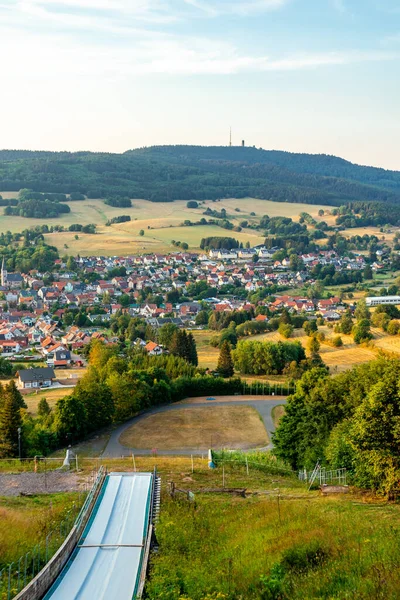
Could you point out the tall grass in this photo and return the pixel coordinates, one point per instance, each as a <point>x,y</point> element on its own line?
<point>26,521</point>
<point>271,547</point>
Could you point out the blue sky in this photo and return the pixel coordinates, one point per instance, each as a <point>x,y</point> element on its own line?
<point>299,75</point>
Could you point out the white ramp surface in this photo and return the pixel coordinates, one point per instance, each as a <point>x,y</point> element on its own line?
<point>108,560</point>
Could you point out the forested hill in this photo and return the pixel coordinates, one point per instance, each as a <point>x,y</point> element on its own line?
<point>167,173</point>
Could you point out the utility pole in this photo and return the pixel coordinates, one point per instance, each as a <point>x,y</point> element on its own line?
<point>19,442</point>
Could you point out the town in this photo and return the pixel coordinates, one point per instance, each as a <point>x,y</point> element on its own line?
<point>53,315</point>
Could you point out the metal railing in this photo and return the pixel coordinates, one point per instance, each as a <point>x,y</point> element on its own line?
<point>322,476</point>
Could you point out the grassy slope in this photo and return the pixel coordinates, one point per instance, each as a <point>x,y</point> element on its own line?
<point>25,522</point>
<point>163,218</point>
<point>207,355</point>
<point>338,359</point>
<point>52,396</point>
<point>225,544</point>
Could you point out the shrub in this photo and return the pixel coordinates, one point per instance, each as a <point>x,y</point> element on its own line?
<point>214,341</point>
<point>272,585</point>
<point>192,204</point>
<point>337,341</point>
<point>301,559</point>
<point>286,330</point>
<point>393,327</point>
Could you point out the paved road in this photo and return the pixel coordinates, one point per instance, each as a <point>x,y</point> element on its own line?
<point>264,406</point>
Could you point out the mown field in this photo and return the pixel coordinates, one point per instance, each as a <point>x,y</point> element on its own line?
<point>207,355</point>
<point>161,221</point>
<point>163,218</point>
<point>52,396</point>
<point>337,359</point>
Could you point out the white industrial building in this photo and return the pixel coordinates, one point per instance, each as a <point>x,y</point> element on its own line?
<point>377,300</point>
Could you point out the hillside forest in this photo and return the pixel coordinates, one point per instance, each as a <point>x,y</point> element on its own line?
<point>167,173</point>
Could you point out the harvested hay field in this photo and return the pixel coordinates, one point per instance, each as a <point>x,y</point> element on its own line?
<point>198,429</point>
<point>160,221</point>
<point>337,359</point>
<point>207,355</point>
<point>346,357</point>
<point>52,396</point>
<point>386,342</point>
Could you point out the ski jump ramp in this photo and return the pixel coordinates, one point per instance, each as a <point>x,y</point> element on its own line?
<point>110,557</point>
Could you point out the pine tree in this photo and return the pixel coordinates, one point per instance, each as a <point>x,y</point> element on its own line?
<point>12,390</point>
<point>193,359</point>
<point>184,345</point>
<point>43,408</point>
<point>225,362</point>
<point>10,420</point>
<point>175,344</point>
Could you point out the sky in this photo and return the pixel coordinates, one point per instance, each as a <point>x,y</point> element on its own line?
<point>318,76</point>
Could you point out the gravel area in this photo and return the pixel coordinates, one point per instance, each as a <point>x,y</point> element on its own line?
<point>39,483</point>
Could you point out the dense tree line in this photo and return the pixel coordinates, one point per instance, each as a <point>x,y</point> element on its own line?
<point>118,202</point>
<point>26,194</point>
<point>11,403</point>
<point>221,320</point>
<point>119,219</point>
<point>299,244</point>
<point>25,258</point>
<point>351,421</point>
<point>217,243</point>
<point>89,228</point>
<point>282,226</point>
<point>266,358</point>
<point>364,214</point>
<point>37,209</point>
<point>197,173</point>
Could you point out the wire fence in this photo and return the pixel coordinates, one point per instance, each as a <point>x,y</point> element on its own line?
<point>15,576</point>
<point>261,461</point>
<point>37,464</point>
<point>262,388</point>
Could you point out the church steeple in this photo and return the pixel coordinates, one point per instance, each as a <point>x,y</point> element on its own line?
<point>3,274</point>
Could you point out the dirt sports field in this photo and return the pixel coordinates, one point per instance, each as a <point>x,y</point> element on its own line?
<point>198,428</point>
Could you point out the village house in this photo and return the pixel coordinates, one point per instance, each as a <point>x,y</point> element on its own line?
<point>36,378</point>
<point>153,349</point>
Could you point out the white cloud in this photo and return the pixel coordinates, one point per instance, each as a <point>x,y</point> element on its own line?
<point>53,57</point>
<point>50,45</point>
<point>69,12</point>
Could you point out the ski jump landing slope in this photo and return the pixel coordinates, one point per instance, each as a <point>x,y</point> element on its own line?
<point>107,561</point>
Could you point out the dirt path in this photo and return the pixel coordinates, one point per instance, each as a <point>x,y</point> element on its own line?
<point>39,483</point>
